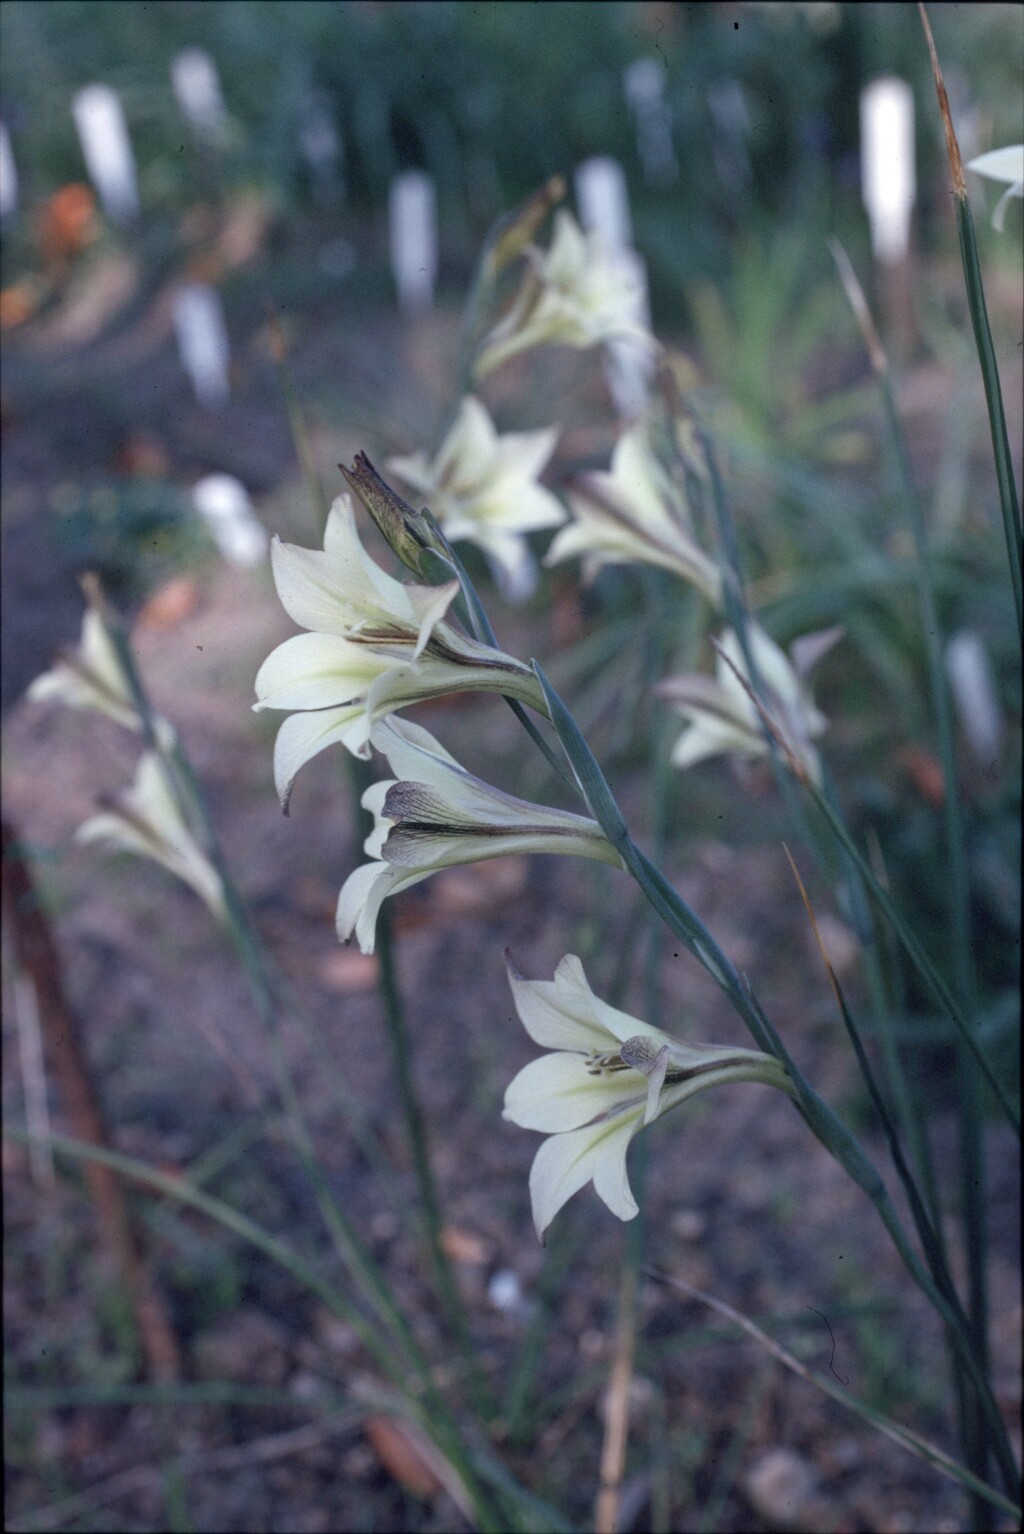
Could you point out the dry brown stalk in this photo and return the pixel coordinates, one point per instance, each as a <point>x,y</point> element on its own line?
<point>36,954</point>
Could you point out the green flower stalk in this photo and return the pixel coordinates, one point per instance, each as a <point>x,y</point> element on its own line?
<point>609,1075</point>
<point>483,488</point>
<point>374,646</point>
<point>434,815</point>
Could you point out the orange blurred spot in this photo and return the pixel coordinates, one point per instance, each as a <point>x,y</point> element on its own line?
<point>67,222</point>
<point>402,1456</point>
<point>18,303</point>
<point>142,455</point>
<point>925,773</point>
<point>170,604</point>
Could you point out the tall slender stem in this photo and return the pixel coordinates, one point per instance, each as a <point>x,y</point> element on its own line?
<point>415,1124</point>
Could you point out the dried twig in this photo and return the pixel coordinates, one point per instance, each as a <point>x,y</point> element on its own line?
<point>37,956</point>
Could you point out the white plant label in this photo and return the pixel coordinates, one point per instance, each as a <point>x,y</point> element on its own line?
<point>320,142</point>
<point>412,227</point>
<point>630,365</point>
<point>107,150</point>
<point>8,174</point>
<point>196,85</point>
<point>203,342</point>
<point>603,202</point>
<point>644,84</point>
<point>224,505</point>
<point>888,178</point>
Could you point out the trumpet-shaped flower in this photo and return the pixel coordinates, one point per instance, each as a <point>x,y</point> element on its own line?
<point>483,488</point>
<point>608,1076</point>
<point>92,676</point>
<point>433,815</point>
<point>375,646</point>
<point>148,821</point>
<point>575,294</point>
<point>630,514</point>
<point>1006,165</point>
<point>723,717</point>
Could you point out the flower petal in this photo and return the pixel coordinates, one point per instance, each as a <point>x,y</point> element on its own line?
<point>1006,164</point>
<point>303,736</point>
<point>557,1092</point>
<point>566,1162</point>
<point>362,896</point>
<point>559,1013</point>
<point>316,671</point>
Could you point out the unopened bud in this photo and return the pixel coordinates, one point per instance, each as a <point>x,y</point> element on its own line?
<point>518,228</point>
<point>408,533</point>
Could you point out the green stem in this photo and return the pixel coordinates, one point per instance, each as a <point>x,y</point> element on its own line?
<point>820,1118</point>
<point>994,401</point>
<point>916,953</point>
<point>972,1164</point>
<point>251,956</point>
<point>412,1113</point>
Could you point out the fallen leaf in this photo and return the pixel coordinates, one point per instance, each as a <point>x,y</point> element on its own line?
<point>925,773</point>
<point>19,302</point>
<point>67,222</point>
<point>141,455</point>
<point>92,299</point>
<point>394,1445</point>
<point>171,603</point>
<point>464,1246</point>
<point>347,971</point>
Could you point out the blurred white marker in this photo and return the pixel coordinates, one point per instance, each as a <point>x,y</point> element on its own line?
<point>196,85</point>
<point>888,180</point>
<point>974,694</point>
<point>412,229</point>
<point>25,1006</point>
<point>728,107</point>
<point>603,204</point>
<point>8,174</point>
<point>107,150</point>
<point>603,201</point>
<point>505,1293</point>
<point>644,84</point>
<point>203,342</point>
<point>322,146</point>
<point>224,505</point>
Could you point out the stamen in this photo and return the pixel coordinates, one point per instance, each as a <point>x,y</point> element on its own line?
<point>601,1064</point>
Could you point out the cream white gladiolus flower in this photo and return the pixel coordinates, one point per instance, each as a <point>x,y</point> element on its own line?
<point>723,718</point>
<point>91,676</point>
<point>376,645</point>
<point>1006,165</point>
<point>575,294</point>
<point>608,1076</point>
<point>633,513</point>
<point>433,815</point>
<point>483,488</point>
<point>148,821</point>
